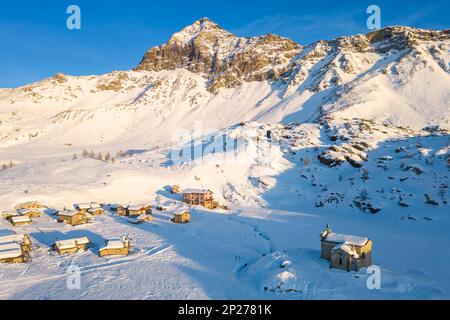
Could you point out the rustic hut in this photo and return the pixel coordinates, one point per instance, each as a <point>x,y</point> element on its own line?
<point>30,205</point>
<point>199,197</point>
<point>8,214</point>
<point>96,211</point>
<point>120,209</point>
<point>84,207</point>
<point>73,217</point>
<point>31,213</point>
<point>175,189</point>
<point>116,247</point>
<point>142,218</point>
<point>71,246</point>
<point>137,210</point>
<point>182,217</point>
<point>15,248</point>
<point>347,252</point>
<point>20,220</point>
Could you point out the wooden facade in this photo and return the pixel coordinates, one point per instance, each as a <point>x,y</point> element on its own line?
<point>175,189</point>
<point>73,218</point>
<point>96,211</point>
<point>15,248</point>
<point>121,210</point>
<point>116,247</point>
<point>31,213</point>
<point>85,207</point>
<point>18,221</point>
<point>198,197</point>
<point>30,205</point>
<point>183,217</point>
<point>71,246</point>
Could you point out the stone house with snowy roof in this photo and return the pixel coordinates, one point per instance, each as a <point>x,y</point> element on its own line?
<point>199,197</point>
<point>346,252</point>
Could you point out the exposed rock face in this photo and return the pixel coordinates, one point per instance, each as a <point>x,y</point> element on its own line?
<point>225,59</point>
<point>60,78</point>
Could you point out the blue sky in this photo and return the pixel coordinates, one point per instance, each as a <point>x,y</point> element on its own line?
<point>35,42</point>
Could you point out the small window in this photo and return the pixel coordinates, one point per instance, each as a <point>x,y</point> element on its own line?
<point>340,262</point>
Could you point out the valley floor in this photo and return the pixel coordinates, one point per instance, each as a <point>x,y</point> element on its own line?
<point>249,252</point>
<point>267,246</point>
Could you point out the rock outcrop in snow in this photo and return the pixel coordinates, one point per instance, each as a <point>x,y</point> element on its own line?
<point>225,59</point>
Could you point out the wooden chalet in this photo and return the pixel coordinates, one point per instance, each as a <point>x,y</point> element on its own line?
<point>84,207</point>
<point>20,220</point>
<point>71,246</point>
<point>116,247</point>
<point>73,218</point>
<point>138,210</point>
<point>182,217</point>
<point>31,213</point>
<point>30,205</point>
<point>96,211</point>
<point>14,248</point>
<point>199,197</point>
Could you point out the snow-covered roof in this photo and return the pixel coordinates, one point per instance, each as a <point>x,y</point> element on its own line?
<point>10,250</point>
<point>116,205</point>
<point>25,211</point>
<point>94,209</point>
<point>7,238</point>
<point>197,191</point>
<point>68,213</point>
<point>345,238</point>
<point>10,213</point>
<point>347,248</point>
<point>180,213</point>
<point>114,243</point>
<point>142,217</point>
<point>20,219</point>
<point>70,243</point>
<point>84,206</point>
<point>137,207</point>
<point>28,203</point>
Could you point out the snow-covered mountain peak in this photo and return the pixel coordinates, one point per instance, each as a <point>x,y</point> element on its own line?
<point>201,28</point>
<point>225,59</point>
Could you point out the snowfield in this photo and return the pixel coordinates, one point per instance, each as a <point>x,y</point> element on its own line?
<point>355,138</point>
<point>266,247</point>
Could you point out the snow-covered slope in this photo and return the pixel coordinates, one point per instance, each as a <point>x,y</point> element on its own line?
<point>397,75</point>
<point>352,132</point>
